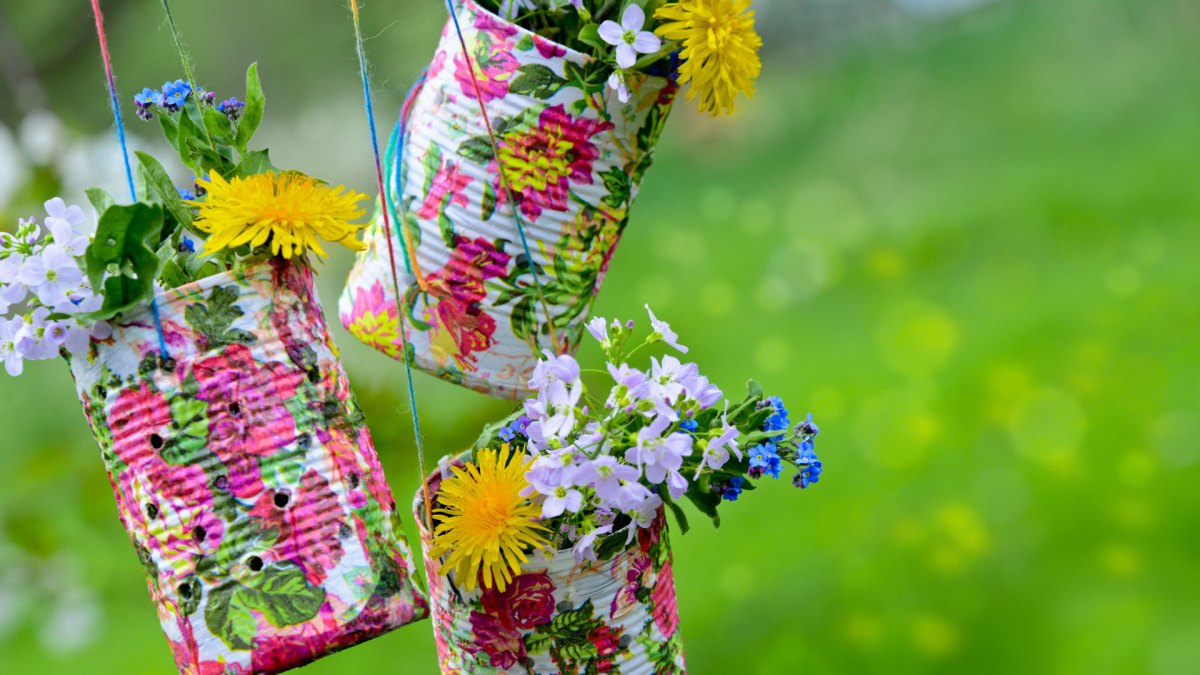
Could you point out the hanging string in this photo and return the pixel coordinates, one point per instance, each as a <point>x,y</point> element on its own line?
<point>387,226</point>
<point>116,109</point>
<point>462,41</point>
<point>395,158</point>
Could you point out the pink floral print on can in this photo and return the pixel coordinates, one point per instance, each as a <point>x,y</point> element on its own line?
<point>559,616</point>
<point>246,477</point>
<point>574,157</point>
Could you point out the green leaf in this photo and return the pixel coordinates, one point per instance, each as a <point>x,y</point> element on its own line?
<point>170,128</point>
<point>576,621</point>
<point>536,81</point>
<point>617,183</point>
<point>187,131</point>
<point>524,318</point>
<point>160,186</point>
<point>126,237</point>
<point>537,643</point>
<point>282,594</point>
<point>214,319</point>
<point>489,200</point>
<point>172,275</point>
<point>755,390</point>
<point>590,36</point>
<point>218,125</point>
<point>706,501</point>
<point>190,592</point>
<point>612,544</point>
<point>189,427</point>
<point>253,113</point>
<point>254,162</point>
<point>100,199</point>
<point>680,516</point>
<point>444,224</point>
<point>228,618</point>
<point>478,150</point>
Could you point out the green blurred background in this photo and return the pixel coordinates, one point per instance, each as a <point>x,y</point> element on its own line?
<point>958,232</point>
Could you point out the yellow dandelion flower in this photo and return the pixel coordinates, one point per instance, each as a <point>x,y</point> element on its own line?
<point>485,524</point>
<point>290,210</point>
<point>720,49</point>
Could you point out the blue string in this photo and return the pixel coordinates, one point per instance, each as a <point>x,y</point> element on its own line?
<point>412,394</point>
<point>537,281</point>
<point>116,109</point>
<point>395,160</point>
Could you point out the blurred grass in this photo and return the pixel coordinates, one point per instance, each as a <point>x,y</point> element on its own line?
<point>971,255</point>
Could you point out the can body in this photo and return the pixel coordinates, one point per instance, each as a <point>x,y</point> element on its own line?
<point>478,309</point>
<point>559,616</point>
<point>245,475</point>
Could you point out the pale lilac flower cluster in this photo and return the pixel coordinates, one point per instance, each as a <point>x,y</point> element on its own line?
<point>43,290</point>
<point>628,454</point>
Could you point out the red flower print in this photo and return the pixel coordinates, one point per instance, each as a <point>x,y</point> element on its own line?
<point>296,313</point>
<point>541,163</point>
<point>666,614</point>
<point>448,182</point>
<point>497,29</point>
<point>528,602</point>
<point>606,640</point>
<point>548,48</point>
<point>471,263</point>
<point>503,646</point>
<point>374,479</point>
<point>463,327</point>
<point>309,524</point>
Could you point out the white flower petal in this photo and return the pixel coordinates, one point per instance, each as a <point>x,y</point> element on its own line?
<point>611,33</point>
<point>634,18</point>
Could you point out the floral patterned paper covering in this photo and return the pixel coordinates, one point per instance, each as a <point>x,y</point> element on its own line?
<point>574,156</point>
<point>246,477</point>
<point>558,616</point>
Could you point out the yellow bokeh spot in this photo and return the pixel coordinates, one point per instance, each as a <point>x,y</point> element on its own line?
<point>863,630</point>
<point>935,636</point>
<point>1137,468</point>
<point>1048,427</point>
<point>886,264</point>
<point>773,354</point>
<point>1120,560</point>
<point>1007,385</point>
<point>719,298</point>
<point>917,338</point>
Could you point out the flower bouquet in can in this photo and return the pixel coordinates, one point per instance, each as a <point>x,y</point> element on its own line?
<point>549,550</point>
<point>511,175</point>
<point>242,467</point>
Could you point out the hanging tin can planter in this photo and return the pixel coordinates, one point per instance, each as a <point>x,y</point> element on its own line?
<point>245,475</point>
<point>477,309</point>
<point>614,615</point>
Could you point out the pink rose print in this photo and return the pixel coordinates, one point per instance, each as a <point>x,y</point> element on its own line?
<point>139,419</point>
<point>528,602</point>
<point>247,415</point>
<point>493,73</point>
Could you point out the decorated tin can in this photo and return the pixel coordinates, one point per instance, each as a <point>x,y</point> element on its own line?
<point>477,309</point>
<point>245,475</point>
<point>561,616</point>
